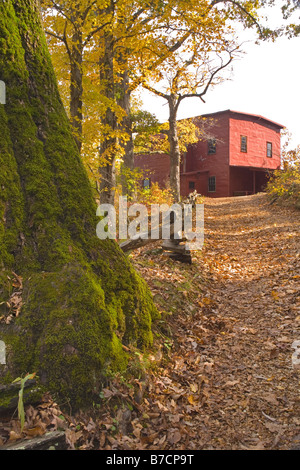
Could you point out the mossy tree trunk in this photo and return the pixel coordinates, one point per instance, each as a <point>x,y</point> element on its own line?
<point>82,300</point>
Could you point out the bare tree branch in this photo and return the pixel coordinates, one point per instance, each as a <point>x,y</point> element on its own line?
<point>243,9</point>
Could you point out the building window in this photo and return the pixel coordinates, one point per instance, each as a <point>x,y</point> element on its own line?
<point>243,143</point>
<point>211,184</point>
<point>146,183</point>
<point>269,149</point>
<point>191,184</point>
<point>211,146</point>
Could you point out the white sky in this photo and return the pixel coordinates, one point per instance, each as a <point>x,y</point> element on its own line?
<point>265,81</point>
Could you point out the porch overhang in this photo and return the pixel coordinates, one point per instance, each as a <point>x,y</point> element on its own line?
<point>253,168</point>
<point>193,173</point>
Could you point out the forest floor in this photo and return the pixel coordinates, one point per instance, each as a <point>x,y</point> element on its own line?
<point>221,374</point>
<point>235,312</point>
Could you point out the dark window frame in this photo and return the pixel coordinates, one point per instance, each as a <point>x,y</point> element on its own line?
<point>212,184</point>
<point>146,186</point>
<point>211,146</point>
<point>269,149</point>
<point>244,144</point>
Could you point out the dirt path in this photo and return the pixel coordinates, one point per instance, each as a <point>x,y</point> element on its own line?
<point>254,253</point>
<point>229,381</point>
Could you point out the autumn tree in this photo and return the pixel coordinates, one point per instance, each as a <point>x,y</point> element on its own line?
<point>118,31</point>
<point>184,37</point>
<point>71,26</point>
<point>151,136</point>
<point>290,9</point>
<point>198,64</point>
<point>102,36</point>
<point>106,36</point>
<point>190,76</point>
<point>81,299</point>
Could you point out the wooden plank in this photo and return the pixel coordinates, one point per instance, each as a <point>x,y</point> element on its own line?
<point>174,248</point>
<point>55,440</point>
<point>144,238</point>
<point>135,243</point>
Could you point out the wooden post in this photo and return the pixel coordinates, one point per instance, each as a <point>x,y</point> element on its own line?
<point>254,181</point>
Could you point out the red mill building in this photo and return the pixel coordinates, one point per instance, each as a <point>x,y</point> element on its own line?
<point>238,160</point>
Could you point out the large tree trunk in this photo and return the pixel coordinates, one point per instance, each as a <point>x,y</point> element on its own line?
<point>76,86</point>
<point>174,149</point>
<point>108,145</point>
<point>81,298</point>
<point>126,127</point>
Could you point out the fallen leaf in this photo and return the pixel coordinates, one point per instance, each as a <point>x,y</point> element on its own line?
<point>174,437</point>
<point>13,436</point>
<point>38,430</point>
<point>191,400</point>
<point>270,398</point>
<point>232,383</point>
<point>273,427</point>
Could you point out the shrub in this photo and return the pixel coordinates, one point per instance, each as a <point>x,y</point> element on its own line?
<point>284,186</point>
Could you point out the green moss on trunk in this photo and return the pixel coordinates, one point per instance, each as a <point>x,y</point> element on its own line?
<point>82,298</point>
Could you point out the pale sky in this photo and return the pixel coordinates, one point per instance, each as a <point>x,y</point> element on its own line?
<point>265,81</point>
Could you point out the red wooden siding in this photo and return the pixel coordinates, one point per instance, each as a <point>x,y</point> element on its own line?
<point>259,131</point>
<point>205,165</point>
<point>155,166</point>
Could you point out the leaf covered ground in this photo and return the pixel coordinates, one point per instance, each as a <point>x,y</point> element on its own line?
<point>229,383</point>
<point>220,375</point>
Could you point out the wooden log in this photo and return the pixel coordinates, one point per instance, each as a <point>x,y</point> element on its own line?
<point>177,252</point>
<point>142,239</point>
<point>55,440</point>
<point>173,247</point>
<point>168,245</point>
<point>135,243</point>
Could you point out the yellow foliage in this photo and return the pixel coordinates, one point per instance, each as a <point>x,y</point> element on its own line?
<point>155,195</point>
<point>168,40</point>
<point>284,186</point>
